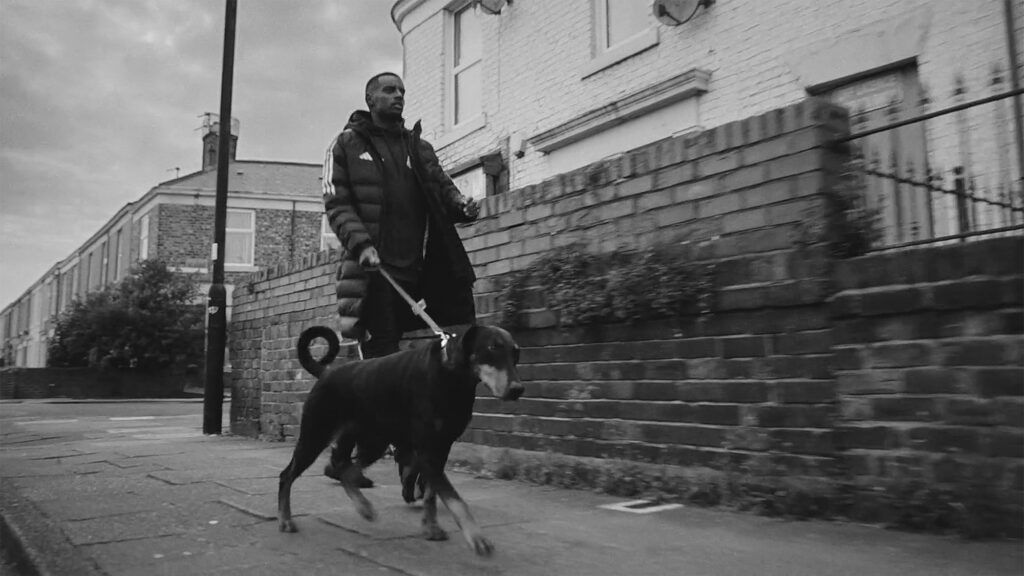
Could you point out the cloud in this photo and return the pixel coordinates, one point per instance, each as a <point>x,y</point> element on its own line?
<point>100,101</point>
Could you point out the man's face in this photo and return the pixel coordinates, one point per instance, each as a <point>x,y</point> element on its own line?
<point>388,98</point>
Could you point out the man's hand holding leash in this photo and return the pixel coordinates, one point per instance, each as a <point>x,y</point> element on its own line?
<point>369,259</point>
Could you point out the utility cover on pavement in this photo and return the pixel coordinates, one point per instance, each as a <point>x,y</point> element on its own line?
<point>640,507</point>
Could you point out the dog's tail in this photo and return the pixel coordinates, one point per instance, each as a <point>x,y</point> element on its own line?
<point>317,367</point>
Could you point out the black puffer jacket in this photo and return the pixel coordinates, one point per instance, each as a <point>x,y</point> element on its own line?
<point>355,201</point>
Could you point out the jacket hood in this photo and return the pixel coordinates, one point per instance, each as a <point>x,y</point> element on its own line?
<point>362,122</point>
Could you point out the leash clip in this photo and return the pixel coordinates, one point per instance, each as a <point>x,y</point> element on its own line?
<point>445,337</point>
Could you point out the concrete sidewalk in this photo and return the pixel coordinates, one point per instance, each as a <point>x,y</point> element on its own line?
<point>151,502</point>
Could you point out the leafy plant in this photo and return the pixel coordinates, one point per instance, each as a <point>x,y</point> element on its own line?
<point>585,288</point>
<point>850,227</point>
<point>148,320</point>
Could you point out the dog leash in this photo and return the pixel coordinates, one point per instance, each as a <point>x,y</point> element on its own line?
<point>419,309</point>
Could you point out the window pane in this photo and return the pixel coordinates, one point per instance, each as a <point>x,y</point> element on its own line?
<point>467,93</point>
<point>625,18</point>
<point>467,36</point>
<point>239,220</point>
<point>237,248</point>
<point>328,240</point>
<point>472,183</point>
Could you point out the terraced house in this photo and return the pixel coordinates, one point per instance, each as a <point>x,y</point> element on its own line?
<point>516,92</point>
<point>274,213</point>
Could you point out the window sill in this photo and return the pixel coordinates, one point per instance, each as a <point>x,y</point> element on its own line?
<point>459,132</point>
<point>637,44</point>
<point>240,268</point>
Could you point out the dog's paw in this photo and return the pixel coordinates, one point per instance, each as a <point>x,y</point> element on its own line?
<point>287,526</point>
<point>434,532</point>
<point>481,545</point>
<point>366,510</point>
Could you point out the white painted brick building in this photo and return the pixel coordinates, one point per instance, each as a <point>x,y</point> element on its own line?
<point>548,90</point>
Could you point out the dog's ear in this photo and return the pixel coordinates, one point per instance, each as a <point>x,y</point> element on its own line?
<point>460,348</point>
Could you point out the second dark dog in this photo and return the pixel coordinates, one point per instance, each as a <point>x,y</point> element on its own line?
<point>419,400</point>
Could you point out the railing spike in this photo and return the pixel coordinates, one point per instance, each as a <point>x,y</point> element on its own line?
<point>860,115</point>
<point>925,100</point>
<point>959,85</point>
<point>997,75</point>
<point>893,110</point>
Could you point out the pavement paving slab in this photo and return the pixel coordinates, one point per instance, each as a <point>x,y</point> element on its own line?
<point>143,497</point>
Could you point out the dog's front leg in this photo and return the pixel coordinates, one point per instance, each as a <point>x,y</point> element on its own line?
<point>439,485</point>
<point>431,529</point>
<point>350,481</point>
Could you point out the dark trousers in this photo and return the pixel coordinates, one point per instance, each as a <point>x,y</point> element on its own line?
<point>385,313</point>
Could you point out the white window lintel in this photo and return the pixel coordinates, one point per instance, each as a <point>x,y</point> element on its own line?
<point>689,84</point>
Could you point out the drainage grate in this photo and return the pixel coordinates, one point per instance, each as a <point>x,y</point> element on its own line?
<point>640,507</point>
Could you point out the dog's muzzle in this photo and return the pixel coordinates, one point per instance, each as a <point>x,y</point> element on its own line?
<point>515,390</point>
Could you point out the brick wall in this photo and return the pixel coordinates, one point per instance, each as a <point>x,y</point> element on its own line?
<point>184,234</point>
<point>19,383</point>
<point>734,195</point>
<point>929,358</point>
<point>270,310</point>
<point>762,385</point>
<point>752,378</point>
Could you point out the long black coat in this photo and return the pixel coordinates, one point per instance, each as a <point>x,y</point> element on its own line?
<point>355,201</point>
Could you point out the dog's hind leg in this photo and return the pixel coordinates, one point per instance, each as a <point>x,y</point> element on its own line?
<point>314,435</point>
<point>407,475</point>
<point>304,456</point>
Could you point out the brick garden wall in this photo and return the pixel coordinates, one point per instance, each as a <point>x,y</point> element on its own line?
<point>270,310</point>
<point>736,195</point>
<point>749,380</point>
<point>766,385</point>
<point>929,367</point>
<point>21,383</point>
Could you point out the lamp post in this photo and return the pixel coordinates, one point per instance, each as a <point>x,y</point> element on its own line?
<point>216,325</point>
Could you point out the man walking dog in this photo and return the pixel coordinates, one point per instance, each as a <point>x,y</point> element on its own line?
<point>392,206</point>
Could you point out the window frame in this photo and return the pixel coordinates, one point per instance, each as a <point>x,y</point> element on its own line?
<point>326,234</point>
<point>251,231</point>
<point>452,70</point>
<point>143,237</point>
<point>604,56</point>
<point>118,248</point>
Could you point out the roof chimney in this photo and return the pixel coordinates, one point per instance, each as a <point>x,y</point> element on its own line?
<point>211,137</point>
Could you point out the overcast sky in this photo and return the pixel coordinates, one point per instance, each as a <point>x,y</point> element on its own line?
<point>100,101</point>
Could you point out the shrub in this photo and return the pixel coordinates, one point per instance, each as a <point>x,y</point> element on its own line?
<point>148,320</point>
<point>585,288</point>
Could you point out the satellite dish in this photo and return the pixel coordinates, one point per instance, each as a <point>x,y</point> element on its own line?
<point>676,12</point>
<point>492,6</point>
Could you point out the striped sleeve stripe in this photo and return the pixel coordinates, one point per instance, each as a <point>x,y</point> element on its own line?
<point>328,175</point>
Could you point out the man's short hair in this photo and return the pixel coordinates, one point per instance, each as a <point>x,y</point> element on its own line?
<point>374,83</point>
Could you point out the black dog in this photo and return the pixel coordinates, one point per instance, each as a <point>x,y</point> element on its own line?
<point>418,400</point>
